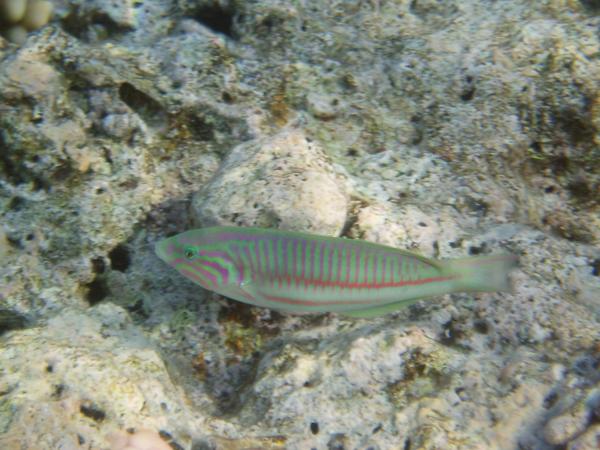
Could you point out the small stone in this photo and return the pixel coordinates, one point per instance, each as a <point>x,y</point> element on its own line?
<point>323,106</point>
<point>16,34</point>
<point>590,440</point>
<point>563,428</point>
<point>12,11</point>
<point>138,440</point>
<point>287,183</point>
<point>119,125</point>
<point>38,14</point>
<point>558,372</point>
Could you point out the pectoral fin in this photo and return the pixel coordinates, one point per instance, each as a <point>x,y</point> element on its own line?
<point>253,294</point>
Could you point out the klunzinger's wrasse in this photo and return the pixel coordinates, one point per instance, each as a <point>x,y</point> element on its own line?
<point>300,272</point>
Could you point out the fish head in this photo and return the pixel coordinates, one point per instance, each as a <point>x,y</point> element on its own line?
<point>198,257</point>
<point>178,248</point>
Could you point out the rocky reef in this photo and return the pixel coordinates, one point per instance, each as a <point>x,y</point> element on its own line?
<point>451,128</point>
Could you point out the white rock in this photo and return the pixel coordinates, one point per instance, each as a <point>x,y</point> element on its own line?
<point>16,34</point>
<point>38,14</point>
<point>281,181</point>
<point>561,429</point>
<point>13,10</point>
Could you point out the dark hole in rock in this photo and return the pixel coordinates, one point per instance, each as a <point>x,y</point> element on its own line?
<point>16,203</point>
<point>596,267</point>
<point>80,439</point>
<point>351,220</point>
<point>58,391</point>
<point>477,205</point>
<point>549,189</point>
<point>165,435</point>
<point>468,94</point>
<point>216,17</point>
<point>202,445</point>
<point>147,108</point>
<point>168,438</point>
<point>585,365</point>
<point>378,428</point>
<point>577,124</point>
<point>119,258</point>
<point>175,446</point>
<point>550,400</point>
<point>98,265</point>
<point>62,172</point>
<point>49,368</point>
<point>268,24</point>
<point>93,412</point>
<point>11,320</point>
<point>337,442</point>
<point>580,188</point>
<point>241,314</point>
<point>477,250</point>
<point>560,164</point>
<point>314,427</point>
<point>138,308</point>
<point>107,156</point>
<point>14,242</point>
<point>459,391</point>
<point>536,147</point>
<point>592,4</point>
<point>30,237</point>
<point>227,97</point>
<point>481,326</point>
<point>86,25</point>
<point>97,291</point>
<point>352,152</point>
<point>11,171</point>
<point>201,129</point>
<point>451,334</point>
<point>407,444</point>
<point>39,184</point>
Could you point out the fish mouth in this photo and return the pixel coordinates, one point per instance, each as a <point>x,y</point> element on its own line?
<point>163,249</point>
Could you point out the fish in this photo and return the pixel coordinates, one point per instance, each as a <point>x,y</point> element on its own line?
<point>298,272</point>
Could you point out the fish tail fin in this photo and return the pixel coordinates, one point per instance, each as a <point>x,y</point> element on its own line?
<point>482,273</point>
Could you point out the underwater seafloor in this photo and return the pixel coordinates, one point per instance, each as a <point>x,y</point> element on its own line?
<point>453,128</point>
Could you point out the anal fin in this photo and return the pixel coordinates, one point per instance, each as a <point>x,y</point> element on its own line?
<point>377,311</point>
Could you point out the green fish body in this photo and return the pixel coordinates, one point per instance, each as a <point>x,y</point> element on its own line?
<point>300,272</point>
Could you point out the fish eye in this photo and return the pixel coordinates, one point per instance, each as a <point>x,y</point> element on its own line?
<point>189,252</point>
